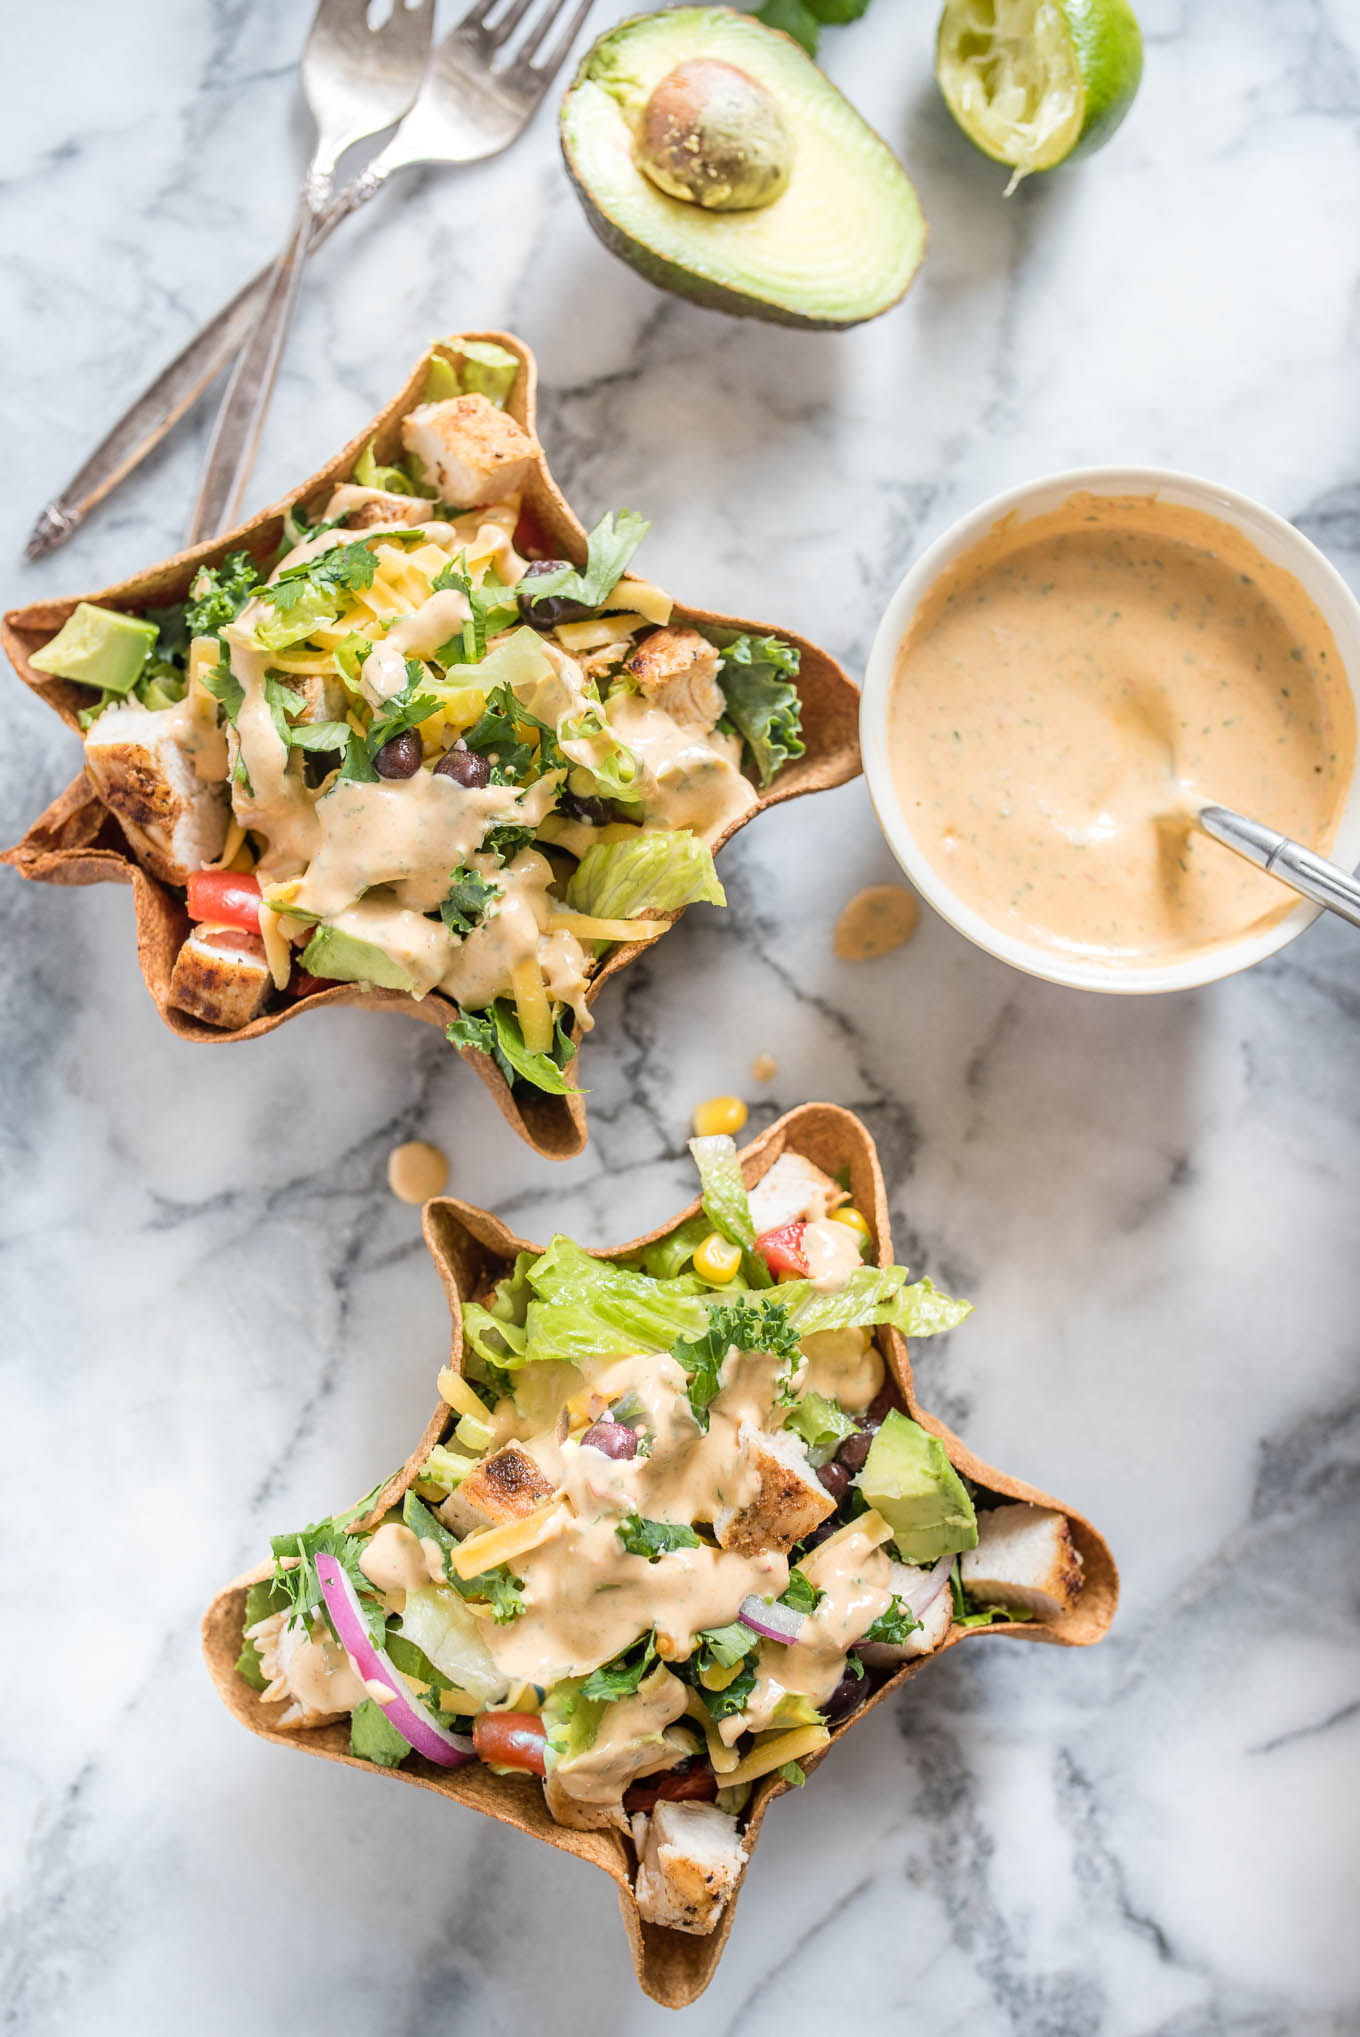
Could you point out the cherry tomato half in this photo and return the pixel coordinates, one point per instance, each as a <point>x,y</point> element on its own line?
<point>510,1740</point>
<point>531,541</point>
<point>693,1785</point>
<point>782,1250</point>
<point>303,984</point>
<point>227,896</point>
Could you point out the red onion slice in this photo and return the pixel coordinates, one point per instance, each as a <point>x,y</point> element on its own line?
<point>922,1596</point>
<point>771,1622</point>
<point>411,1719</point>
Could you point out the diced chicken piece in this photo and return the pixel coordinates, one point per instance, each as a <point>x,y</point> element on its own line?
<point>308,1671</point>
<point>324,697</point>
<point>677,671</point>
<point>791,1500</point>
<point>460,1516</point>
<point>365,508</point>
<point>690,1858</point>
<point>507,1485</point>
<point>935,1623</point>
<point>174,820</point>
<point>792,1191</point>
<point>473,452</point>
<point>1025,1557</point>
<point>221,978</point>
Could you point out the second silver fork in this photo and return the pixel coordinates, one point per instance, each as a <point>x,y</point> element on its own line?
<point>478,95</point>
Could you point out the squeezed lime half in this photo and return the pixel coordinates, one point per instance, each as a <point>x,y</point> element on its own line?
<point>1034,83</point>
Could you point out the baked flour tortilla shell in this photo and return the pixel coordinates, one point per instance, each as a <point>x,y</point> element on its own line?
<point>471,1249</point>
<point>78,841</point>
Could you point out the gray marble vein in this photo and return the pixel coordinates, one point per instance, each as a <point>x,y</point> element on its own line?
<point>218,1322</point>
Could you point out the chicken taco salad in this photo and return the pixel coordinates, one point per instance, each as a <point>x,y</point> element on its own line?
<point>678,1526</point>
<point>416,752</point>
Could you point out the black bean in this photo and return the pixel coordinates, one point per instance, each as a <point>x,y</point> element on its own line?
<point>836,1480</point>
<point>465,767</point>
<point>848,1695</point>
<point>399,758</point>
<point>855,1449</point>
<point>553,608</point>
<point>615,1439</point>
<point>576,806</point>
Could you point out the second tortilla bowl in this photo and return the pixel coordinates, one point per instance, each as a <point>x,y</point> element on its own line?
<point>1069,1603</point>
<point>79,840</point>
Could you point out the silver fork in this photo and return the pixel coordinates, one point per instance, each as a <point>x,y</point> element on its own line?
<point>475,67</point>
<point>356,79</point>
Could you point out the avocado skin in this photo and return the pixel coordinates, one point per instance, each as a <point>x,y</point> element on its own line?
<point>910,1481</point>
<point>345,959</point>
<point>673,276</point>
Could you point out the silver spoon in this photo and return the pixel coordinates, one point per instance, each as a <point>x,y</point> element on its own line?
<point>1311,875</point>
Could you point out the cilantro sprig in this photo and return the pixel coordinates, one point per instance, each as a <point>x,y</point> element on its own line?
<point>621,1677</point>
<point>654,1539</point>
<point>301,1585</point>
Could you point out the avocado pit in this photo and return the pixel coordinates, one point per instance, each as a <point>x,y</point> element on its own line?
<point>714,137</point>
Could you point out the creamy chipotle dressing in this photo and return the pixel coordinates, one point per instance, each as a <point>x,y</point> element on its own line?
<point>1073,686</point>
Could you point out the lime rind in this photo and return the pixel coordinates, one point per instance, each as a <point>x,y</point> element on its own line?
<point>1035,83</point>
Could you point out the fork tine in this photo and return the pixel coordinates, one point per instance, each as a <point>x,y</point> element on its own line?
<point>509,22</point>
<point>473,20</point>
<point>551,64</point>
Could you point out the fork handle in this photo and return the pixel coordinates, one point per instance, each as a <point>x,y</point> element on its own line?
<point>178,387</point>
<point>241,415</point>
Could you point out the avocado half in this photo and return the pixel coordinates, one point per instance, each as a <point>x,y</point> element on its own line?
<point>839,245</point>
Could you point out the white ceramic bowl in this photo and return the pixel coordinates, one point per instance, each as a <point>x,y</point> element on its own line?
<point>1280,543</point>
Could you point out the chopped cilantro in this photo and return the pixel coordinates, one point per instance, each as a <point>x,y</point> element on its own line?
<point>802,1595</point>
<point>471,899</point>
<point>610,546</point>
<point>302,1586</point>
<point>654,1539</point>
<point>743,1325</point>
<point>496,736</point>
<point>792,1772</point>
<point>219,593</point>
<point>894,1624</point>
<point>621,1677</point>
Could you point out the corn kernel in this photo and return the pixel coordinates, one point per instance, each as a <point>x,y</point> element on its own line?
<point>716,1260</point>
<point>719,1114</point>
<point>853,1220</point>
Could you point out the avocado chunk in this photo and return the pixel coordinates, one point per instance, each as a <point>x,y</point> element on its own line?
<point>711,154</point>
<point>346,959</point>
<point>97,647</point>
<point>709,134</point>
<point>909,1480</point>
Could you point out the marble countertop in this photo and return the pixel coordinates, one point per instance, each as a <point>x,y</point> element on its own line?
<point>218,1321</point>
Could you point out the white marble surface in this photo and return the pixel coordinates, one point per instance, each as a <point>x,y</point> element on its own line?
<point>218,1322</point>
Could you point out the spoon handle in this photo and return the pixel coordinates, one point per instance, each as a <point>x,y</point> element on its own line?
<point>1325,883</point>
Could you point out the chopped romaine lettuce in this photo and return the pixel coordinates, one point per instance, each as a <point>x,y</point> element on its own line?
<point>586,1307</point>
<point>485,370</point>
<point>756,677</point>
<point>654,1539</point>
<point>496,1031</point>
<point>874,1294</point>
<point>670,1255</point>
<point>659,872</point>
<point>823,1426</point>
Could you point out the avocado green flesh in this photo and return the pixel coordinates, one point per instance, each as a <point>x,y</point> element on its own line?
<point>840,245</point>
<point>345,959</point>
<point>910,1481</point>
<point>98,647</point>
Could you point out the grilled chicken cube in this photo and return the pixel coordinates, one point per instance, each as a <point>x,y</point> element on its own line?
<point>793,1191</point>
<point>790,1503</point>
<point>473,452</point>
<point>175,821</point>
<point>690,1858</point>
<point>323,696</point>
<point>677,671</point>
<point>936,1621</point>
<point>1025,1557</point>
<point>365,508</point>
<point>507,1485</point>
<point>221,978</point>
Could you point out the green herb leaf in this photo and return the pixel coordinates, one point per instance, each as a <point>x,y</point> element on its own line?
<point>723,1647</point>
<point>740,1325</point>
<point>621,1677</point>
<point>894,1625</point>
<point>792,1772</point>
<point>219,593</point>
<point>802,1595</point>
<point>471,899</point>
<point>654,1539</point>
<point>302,1586</point>
<point>496,1031</point>
<point>496,737</point>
